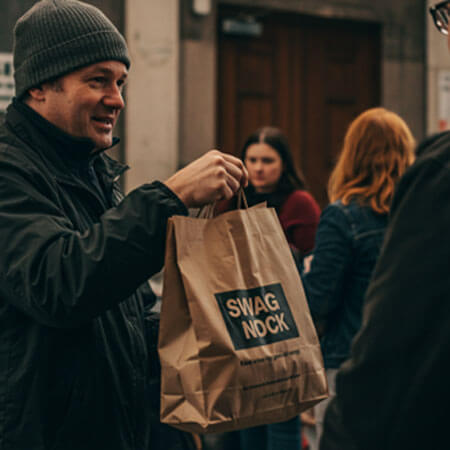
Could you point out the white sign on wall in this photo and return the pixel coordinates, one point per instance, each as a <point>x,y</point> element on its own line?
<point>6,80</point>
<point>444,100</point>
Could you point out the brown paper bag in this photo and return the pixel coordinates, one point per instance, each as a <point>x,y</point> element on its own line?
<point>237,344</point>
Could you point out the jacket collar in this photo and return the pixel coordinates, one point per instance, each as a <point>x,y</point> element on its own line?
<point>67,153</point>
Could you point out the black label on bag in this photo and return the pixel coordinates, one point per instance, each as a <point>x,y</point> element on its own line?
<point>257,316</point>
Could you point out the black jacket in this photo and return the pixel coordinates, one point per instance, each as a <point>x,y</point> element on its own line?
<point>394,391</point>
<point>74,260</point>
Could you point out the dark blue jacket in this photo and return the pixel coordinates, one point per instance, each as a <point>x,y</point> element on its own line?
<point>348,241</point>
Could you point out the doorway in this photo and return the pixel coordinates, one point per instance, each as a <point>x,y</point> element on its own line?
<point>306,75</point>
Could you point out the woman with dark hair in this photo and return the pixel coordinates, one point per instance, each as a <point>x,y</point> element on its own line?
<point>378,148</point>
<point>274,179</point>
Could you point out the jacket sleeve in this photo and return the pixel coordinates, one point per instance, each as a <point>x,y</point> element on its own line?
<point>63,277</point>
<point>331,258</point>
<point>391,391</point>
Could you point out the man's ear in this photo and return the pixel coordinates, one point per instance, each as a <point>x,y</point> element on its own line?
<point>37,93</point>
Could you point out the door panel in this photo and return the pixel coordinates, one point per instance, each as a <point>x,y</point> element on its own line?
<point>310,77</point>
<point>254,111</point>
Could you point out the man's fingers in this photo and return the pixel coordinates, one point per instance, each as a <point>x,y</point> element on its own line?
<point>212,177</point>
<point>233,184</point>
<point>243,174</point>
<point>226,193</point>
<point>238,172</point>
<point>231,158</point>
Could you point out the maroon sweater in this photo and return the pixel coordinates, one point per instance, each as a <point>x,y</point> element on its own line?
<point>299,216</point>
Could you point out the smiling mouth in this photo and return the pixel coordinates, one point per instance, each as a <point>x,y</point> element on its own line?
<point>104,121</point>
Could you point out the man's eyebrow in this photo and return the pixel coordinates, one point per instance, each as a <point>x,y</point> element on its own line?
<point>106,71</point>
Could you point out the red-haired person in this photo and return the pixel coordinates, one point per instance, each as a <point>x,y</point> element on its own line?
<point>377,150</point>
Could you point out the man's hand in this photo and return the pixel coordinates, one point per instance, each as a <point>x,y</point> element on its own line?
<point>214,176</point>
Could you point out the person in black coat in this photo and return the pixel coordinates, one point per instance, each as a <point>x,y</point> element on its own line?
<point>77,341</point>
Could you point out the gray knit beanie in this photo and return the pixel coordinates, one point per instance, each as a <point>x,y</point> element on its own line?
<point>56,37</point>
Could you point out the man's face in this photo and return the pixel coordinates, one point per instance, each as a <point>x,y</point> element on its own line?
<point>87,102</point>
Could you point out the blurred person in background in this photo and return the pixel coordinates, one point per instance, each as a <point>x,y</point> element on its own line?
<point>392,393</point>
<point>77,345</point>
<point>378,148</point>
<point>274,179</point>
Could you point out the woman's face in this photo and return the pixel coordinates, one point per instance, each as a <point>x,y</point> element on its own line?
<point>264,166</point>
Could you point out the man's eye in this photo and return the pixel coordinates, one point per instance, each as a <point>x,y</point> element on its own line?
<point>98,79</point>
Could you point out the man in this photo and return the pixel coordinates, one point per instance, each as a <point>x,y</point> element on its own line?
<point>76,349</point>
<point>394,391</point>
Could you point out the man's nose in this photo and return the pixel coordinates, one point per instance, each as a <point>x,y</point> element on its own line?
<point>114,99</point>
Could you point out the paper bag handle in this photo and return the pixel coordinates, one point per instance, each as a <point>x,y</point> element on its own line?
<point>241,199</point>
<point>207,211</point>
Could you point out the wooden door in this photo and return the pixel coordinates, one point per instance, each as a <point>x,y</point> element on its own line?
<point>308,76</point>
